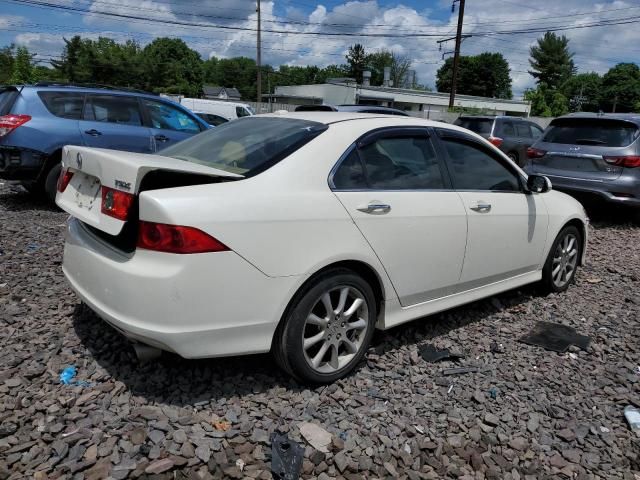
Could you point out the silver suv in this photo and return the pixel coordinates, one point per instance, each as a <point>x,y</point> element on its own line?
<point>592,153</point>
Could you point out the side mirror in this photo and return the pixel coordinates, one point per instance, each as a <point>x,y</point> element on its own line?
<point>538,184</point>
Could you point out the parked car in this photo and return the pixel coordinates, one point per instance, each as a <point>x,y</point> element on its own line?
<point>512,135</point>
<point>37,121</point>
<point>301,233</point>
<point>351,108</point>
<point>596,154</point>
<point>216,112</point>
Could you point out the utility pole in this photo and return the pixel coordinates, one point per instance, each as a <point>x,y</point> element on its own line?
<point>456,55</point>
<point>259,62</point>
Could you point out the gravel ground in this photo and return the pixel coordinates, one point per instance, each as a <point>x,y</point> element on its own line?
<point>553,415</point>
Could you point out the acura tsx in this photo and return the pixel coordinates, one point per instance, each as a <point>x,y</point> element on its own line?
<point>301,233</point>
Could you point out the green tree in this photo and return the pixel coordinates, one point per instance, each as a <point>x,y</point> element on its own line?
<point>551,61</point>
<point>376,63</point>
<point>621,88</point>
<point>22,66</point>
<point>485,75</point>
<point>237,72</point>
<point>77,60</point>
<point>170,66</point>
<point>583,92</point>
<point>539,106</point>
<point>6,64</point>
<point>356,59</point>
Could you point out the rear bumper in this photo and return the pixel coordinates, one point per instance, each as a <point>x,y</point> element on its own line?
<point>202,305</point>
<point>624,190</point>
<point>20,163</point>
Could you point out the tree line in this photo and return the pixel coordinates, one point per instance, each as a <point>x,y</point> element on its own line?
<point>168,65</point>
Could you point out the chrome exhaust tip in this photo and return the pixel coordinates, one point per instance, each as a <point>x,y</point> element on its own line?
<point>146,353</point>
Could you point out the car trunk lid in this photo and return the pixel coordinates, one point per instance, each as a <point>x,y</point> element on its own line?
<point>103,184</point>
<point>576,161</point>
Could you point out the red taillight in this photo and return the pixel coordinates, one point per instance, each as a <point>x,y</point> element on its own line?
<point>497,141</point>
<point>176,239</point>
<point>63,180</point>
<point>8,123</point>
<point>627,161</point>
<point>115,203</point>
<point>535,152</point>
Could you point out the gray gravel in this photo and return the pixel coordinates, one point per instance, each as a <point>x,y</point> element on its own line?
<point>553,415</point>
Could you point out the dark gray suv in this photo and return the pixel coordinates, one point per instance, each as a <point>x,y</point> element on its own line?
<point>593,153</point>
<point>512,135</point>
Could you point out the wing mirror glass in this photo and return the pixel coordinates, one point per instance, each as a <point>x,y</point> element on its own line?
<point>538,184</point>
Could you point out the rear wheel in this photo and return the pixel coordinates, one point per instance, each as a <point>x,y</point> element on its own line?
<point>514,157</point>
<point>560,268</point>
<point>51,182</point>
<point>328,328</point>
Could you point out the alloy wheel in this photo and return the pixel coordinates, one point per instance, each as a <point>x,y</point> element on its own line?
<point>335,329</point>
<point>564,261</point>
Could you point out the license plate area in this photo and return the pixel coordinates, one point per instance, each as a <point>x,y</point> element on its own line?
<point>87,191</point>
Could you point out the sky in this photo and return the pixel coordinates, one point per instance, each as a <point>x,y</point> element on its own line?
<point>310,32</point>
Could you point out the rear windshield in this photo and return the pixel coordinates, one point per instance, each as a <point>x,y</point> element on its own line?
<point>478,125</point>
<point>7,97</point>
<point>596,131</point>
<point>246,146</point>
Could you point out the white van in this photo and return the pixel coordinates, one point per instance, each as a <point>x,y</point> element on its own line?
<point>216,112</point>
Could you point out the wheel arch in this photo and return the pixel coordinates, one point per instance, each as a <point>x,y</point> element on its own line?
<point>365,270</point>
<point>582,228</point>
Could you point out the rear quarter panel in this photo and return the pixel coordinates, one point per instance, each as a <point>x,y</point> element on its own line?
<point>285,221</point>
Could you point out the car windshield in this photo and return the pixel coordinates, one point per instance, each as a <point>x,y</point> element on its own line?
<point>246,146</point>
<point>592,131</point>
<point>478,125</point>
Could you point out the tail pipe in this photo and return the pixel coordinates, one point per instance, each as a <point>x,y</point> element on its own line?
<point>146,353</point>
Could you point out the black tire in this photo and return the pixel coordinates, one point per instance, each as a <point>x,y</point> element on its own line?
<point>514,157</point>
<point>51,182</point>
<point>288,339</point>
<point>547,282</point>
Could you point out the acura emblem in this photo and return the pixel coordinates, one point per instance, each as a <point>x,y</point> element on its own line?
<point>79,161</point>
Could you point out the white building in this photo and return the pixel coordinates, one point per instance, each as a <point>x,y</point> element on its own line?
<point>417,102</point>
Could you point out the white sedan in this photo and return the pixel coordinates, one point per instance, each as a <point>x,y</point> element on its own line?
<point>301,233</point>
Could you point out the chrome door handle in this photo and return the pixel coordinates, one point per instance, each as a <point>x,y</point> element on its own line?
<point>481,207</point>
<point>375,208</point>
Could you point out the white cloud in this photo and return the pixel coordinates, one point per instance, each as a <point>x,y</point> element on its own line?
<point>596,48</point>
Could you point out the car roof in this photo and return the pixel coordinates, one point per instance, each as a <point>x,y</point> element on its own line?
<point>329,118</point>
<point>104,89</point>
<point>628,117</point>
<point>360,108</point>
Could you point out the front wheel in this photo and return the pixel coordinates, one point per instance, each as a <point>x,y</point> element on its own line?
<point>327,329</point>
<point>560,268</point>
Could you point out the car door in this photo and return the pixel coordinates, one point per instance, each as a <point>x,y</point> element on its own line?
<point>507,228</point>
<point>169,124</point>
<point>525,140</point>
<point>115,122</point>
<point>396,189</point>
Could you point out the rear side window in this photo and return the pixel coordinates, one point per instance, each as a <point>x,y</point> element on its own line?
<point>523,130</point>
<point>395,163</point>
<point>247,146</point>
<point>508,130</point>
<point>63,104</point>
<point>592,131</point>
<point>7,97</point>
<point>113,109</point>
<point>536,131</point>
<point>477,125</point>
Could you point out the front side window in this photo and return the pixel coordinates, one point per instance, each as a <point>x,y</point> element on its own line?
<point>113,109</point>
<point>247,146</point>
<point>393,163</point>
<point>242,112</point>
<point>167,117</point>
<point>473,168</point>
<point>508,129</point>
<point>63,104</point>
